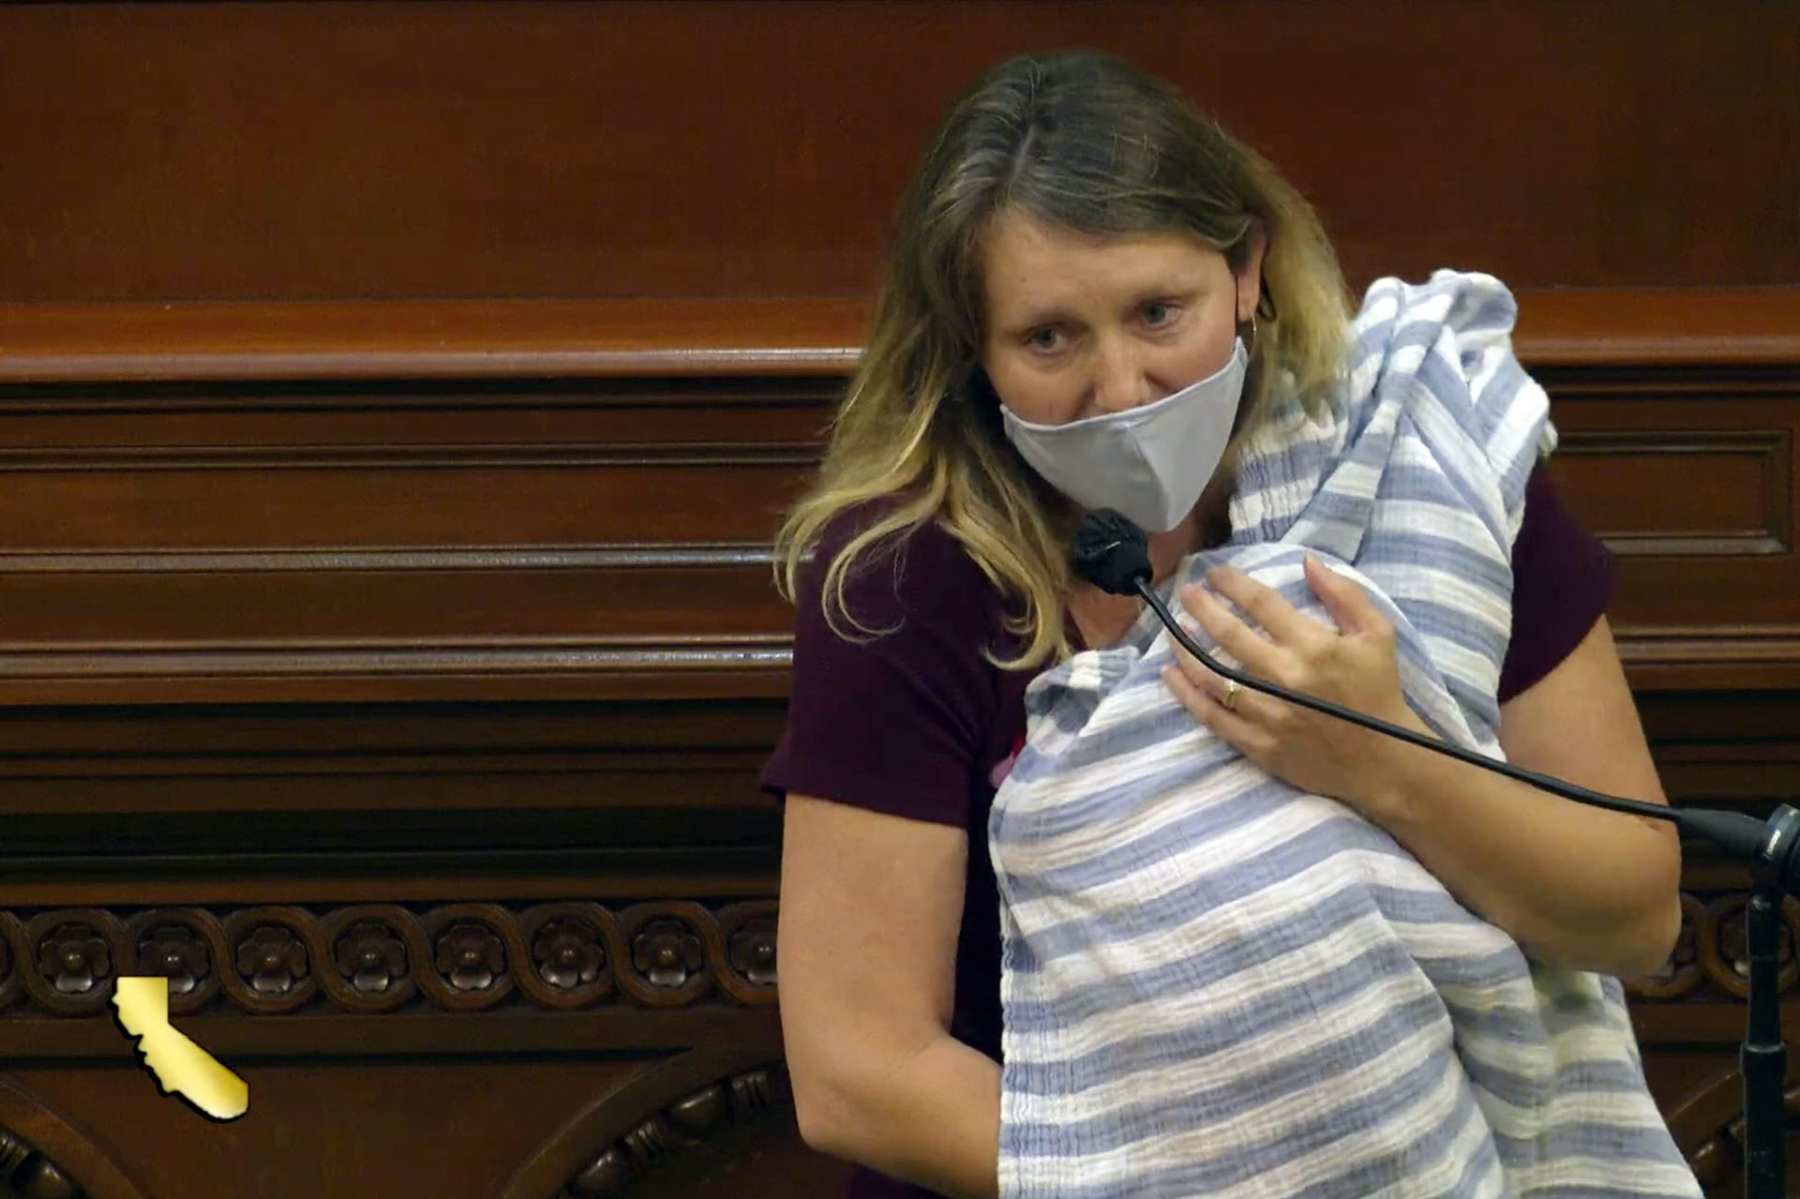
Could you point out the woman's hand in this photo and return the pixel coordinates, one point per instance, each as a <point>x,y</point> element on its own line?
<point>1354,665</point>
<point>1575,886</point>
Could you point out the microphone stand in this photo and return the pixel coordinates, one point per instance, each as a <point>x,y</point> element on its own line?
<point>1110,552</point>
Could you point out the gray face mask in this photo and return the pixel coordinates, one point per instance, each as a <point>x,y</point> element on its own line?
<point>1151,462</point>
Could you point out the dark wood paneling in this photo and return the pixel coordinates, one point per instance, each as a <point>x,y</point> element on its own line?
<point>336,1127</point>
<point>279,541</point>
<point>334,1108</point>
<point>1724,748</point>
<point>309,498</point>
<point>673,341</point>
<point>396,401</point>
<point>539,539</point>
<point>1660,327</point>
<point>370,535</point>
<point>215,151</point>
<point>600,796</point>
<point>586,1079</point>
<point>511,340</point>
<point>1691,482</point>
<point>1744,509</point>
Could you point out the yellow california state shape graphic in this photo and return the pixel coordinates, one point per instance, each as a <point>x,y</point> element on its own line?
<point>180,1066</point>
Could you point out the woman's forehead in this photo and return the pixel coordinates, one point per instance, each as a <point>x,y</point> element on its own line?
<point>1029,264</point>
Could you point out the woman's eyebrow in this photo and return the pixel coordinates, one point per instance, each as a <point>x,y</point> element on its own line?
<point>1167,291</point>
<point>1033,318</point>
<point>1054,312</point>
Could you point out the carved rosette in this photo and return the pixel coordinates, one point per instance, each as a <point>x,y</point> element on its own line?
<point>72,957</point>
<point>1711,962</point>
<point>187,946</point>
<point>474,949</point>
<point>685,1127</point>
<point>748,931</point>
<point>1726,956</point>
<point>573,950</point>
<point>670,951</point>
<point>372,952</point>
<point>276,953</point>
<point>28,1174</point>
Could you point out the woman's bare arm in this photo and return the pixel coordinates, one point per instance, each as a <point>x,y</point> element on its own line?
<point>871,906</point>
<point>1579,723</point>
<point>1576,886</point>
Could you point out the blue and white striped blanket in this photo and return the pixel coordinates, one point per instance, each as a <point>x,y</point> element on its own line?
<point>1217,985</point>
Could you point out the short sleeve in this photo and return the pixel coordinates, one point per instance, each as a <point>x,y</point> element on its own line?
<point>1562,582</point>
<point>897,722</point>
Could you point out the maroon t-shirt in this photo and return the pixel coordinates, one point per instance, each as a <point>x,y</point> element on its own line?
<point>917,723</point>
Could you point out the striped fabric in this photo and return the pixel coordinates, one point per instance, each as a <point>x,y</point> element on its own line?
<point>1217,985</point>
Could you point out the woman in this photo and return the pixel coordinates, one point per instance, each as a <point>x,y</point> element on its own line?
<point>1079,244</point>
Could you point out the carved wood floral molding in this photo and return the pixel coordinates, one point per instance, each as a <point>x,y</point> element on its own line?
<point>465,957</point>
<point>373,958</point>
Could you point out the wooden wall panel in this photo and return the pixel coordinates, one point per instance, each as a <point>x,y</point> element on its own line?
<point>450,529</point>
<point>585,520</point>
<point>629,665</point>
<point>1693,489</point>
<point>316,150</point>
<point>396,401</point>
<point>578,1122</point>
<point>1744,509</point>
<point>162,1141</point>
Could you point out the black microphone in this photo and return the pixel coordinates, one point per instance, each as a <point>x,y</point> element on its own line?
<point>1110,551</point>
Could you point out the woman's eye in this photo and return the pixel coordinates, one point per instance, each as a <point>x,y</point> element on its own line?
<point>1157,313</point>
<point>1044,339</point>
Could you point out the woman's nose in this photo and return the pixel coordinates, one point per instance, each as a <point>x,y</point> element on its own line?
<point>1119,380</point>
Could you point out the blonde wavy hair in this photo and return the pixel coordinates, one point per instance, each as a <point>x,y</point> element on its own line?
<point>1089,143</point>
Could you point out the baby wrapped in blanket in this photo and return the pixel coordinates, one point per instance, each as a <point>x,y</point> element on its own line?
<point>1215,984</point>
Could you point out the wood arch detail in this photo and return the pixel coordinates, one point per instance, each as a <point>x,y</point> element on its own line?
<point>674,1123</point>
<point>43,1156</point>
